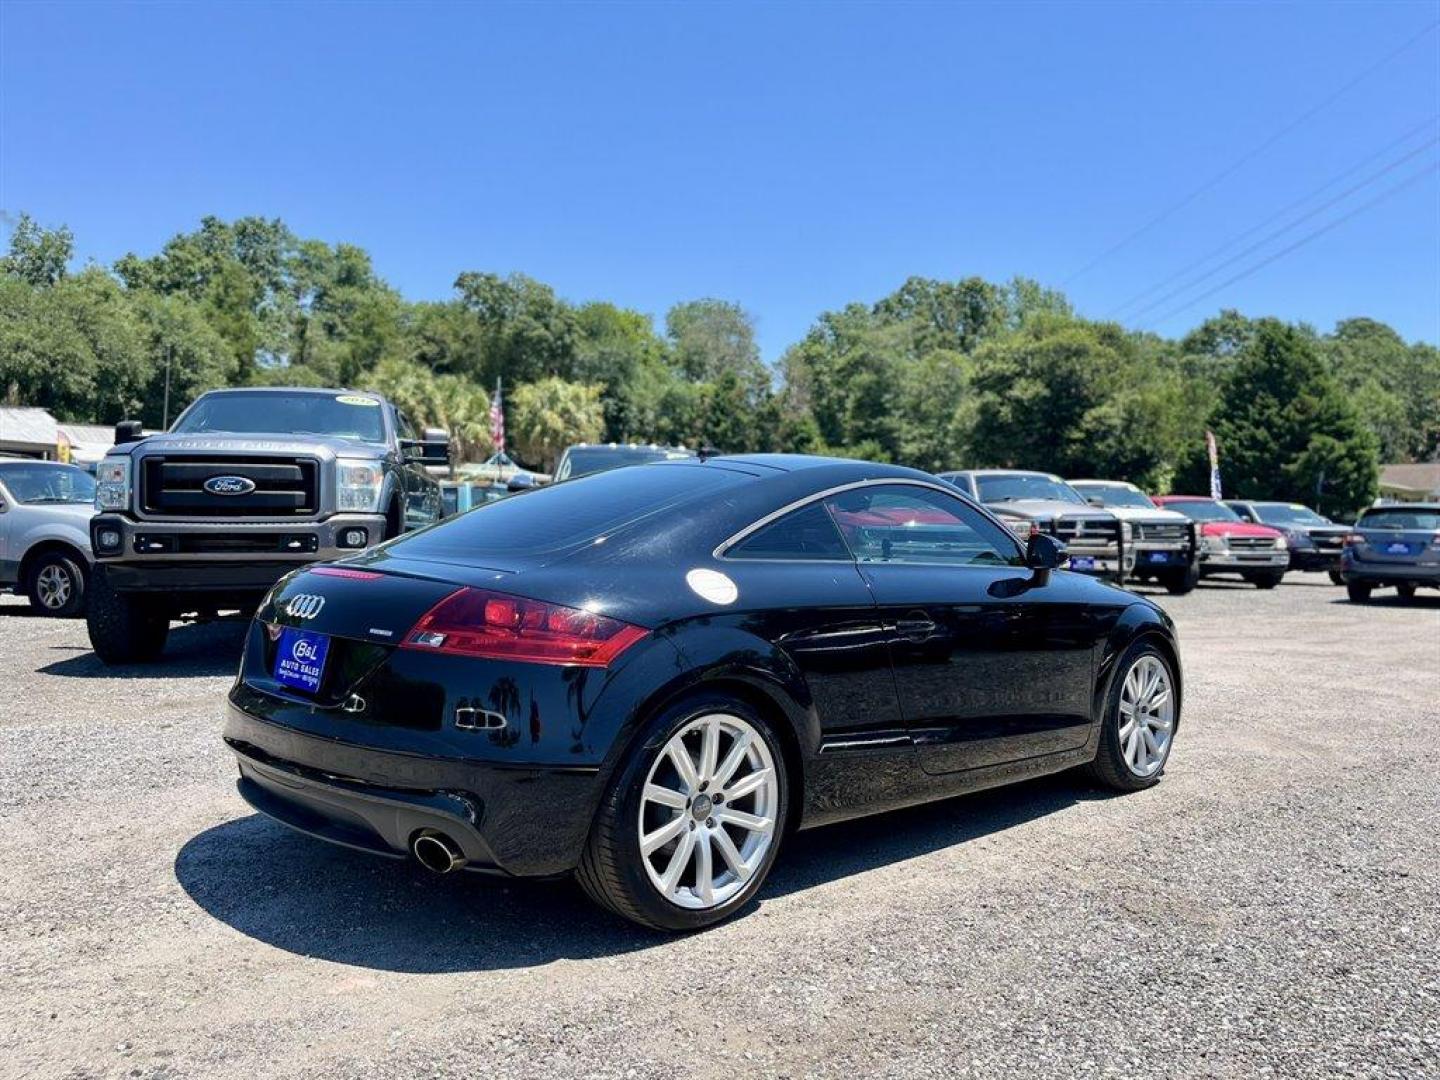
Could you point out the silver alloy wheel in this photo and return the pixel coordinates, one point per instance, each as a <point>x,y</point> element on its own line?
<point>1147,715</point>
<point>707,813</point>
<point>53,586</point>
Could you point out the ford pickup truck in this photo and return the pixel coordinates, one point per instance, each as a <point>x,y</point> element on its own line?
<point>247,485</point>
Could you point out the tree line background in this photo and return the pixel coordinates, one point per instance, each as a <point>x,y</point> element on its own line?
<point>937,375</point>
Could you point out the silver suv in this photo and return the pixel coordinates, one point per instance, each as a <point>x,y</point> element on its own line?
<point>45,510</point>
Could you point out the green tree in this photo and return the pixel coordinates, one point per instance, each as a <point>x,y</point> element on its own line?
<point>1395,387</point>
<point>549,414</point>
<point>527,332</point>
<point>453,402</point>
<point>1286,430</point>
<point>37,255</point>
<point>1074,398</point>
<point>711,337</point>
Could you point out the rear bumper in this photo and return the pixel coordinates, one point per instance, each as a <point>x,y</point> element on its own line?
<point>530,822</point>
<point>1390,573</point>
<point>211,556</point>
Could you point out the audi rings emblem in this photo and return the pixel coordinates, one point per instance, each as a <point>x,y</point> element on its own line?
<point>304,606</point>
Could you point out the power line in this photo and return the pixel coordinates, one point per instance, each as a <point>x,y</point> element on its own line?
<point>1313,235</point>
<point>1245,159</point>
<point>1276,216</point>
<point>1251,249</point>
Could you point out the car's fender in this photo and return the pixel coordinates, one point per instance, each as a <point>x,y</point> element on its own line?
<point>1139,620</point>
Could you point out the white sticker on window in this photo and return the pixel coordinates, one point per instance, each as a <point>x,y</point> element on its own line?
<point>356,399</point>
<point>712,585</point>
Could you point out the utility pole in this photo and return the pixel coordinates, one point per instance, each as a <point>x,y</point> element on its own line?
<point>169,354</point>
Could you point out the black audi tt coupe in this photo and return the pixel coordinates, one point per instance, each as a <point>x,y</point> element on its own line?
<point>649,677</point>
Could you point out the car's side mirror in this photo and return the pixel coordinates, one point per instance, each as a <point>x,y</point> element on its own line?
<point>1095,500</point>
<point>1044,552</point>
<point>433,449</point>
<point>128,431</point>
<point>521,481</point>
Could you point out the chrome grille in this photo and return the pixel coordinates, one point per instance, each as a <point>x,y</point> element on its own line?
<point>173,485</point>
<point>1087,531</point>
<point>1167,531</point>
<point>1252,543</point>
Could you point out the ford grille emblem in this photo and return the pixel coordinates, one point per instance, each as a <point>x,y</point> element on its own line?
<point>304,606</point>
<point>229,485</point>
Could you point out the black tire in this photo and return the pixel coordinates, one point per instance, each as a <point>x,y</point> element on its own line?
<point>1407,591</point>
<point>125,628</point>
<point>1109,767</point>
<point>1336,578</point>
<point>612,871</point>
<point>1266,580</point>
<point>394,521</point>
<point>1180,582</point>
<point>1358,591</point>
<point>55,584</point>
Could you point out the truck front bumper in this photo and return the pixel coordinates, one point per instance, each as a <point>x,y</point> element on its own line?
<point>1161,557</point>
<point>1227,561</point>
<point>1101,561</point>
<point>149,556</point>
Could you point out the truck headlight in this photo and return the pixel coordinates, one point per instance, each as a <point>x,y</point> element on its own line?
<point>1280,544</point>
<point>1212,543</point>
<point>1021,527</point>
<point>358,484</point>
<point>112,484</point>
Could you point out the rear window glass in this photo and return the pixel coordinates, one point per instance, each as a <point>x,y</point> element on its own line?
<point>563,515</point>
<point>1400,517</point>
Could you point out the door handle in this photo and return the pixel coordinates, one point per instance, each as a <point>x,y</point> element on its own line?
<point>915,627</point>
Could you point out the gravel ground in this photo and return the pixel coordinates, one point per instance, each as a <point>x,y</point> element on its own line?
<point>1270,909</point>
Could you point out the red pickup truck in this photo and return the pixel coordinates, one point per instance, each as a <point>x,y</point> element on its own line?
<point>1228,545</point>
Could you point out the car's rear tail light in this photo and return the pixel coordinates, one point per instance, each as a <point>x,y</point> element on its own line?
<point>1354,539</point>
<point>479,622</point>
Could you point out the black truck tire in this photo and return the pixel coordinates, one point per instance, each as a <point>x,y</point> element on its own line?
<point>1179,582</point>
<point>125,628</point>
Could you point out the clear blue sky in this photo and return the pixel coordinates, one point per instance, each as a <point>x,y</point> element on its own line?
<point>790,157</point>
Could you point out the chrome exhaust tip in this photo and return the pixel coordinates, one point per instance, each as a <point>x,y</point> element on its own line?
<point>437,852</point>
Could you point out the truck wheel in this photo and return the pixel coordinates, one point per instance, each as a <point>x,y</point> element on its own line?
<point>1358,592</point>
<point>1336,578</point>
<point>1180,582</point>
<point>1265,580</point>
<point>124,628</point>
<point>393,520</point>
<point>56,586</point>
<point>1406,591</point>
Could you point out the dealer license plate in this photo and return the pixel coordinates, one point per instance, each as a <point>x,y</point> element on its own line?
<point>300,659</point>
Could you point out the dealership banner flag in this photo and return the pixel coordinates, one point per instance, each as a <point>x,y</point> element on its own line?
<point>497,421</point>
<point>1214,465</point>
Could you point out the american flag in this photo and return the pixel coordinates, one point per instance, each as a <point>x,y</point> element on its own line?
<point>497,421</point>
<point>1214,465</point>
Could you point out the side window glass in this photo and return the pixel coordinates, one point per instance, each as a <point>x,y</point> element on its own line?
<point>403,426</point>
<point>906,523</point>
<point>807,533</point>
